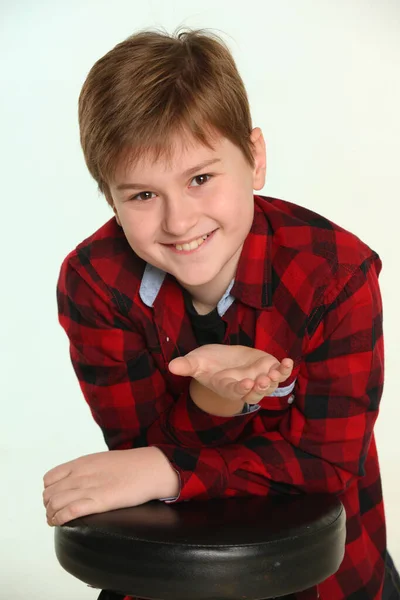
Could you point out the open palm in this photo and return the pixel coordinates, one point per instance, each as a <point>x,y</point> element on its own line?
<point>235,372</point>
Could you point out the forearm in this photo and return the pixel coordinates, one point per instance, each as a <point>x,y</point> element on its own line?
<point>212,403</point>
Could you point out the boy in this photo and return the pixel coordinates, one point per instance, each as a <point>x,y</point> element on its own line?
<point>230,343</point>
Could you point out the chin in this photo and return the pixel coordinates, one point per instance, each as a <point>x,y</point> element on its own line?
<point>195,280</point>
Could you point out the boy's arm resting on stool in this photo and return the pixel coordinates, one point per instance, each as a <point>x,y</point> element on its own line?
<point>106,481</point>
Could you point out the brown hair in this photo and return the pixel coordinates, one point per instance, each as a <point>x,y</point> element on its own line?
<point>152,86</point>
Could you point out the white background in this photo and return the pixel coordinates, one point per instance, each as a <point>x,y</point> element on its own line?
<point>324,85</point>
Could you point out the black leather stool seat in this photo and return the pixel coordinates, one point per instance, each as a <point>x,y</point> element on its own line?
<point>235,548</point>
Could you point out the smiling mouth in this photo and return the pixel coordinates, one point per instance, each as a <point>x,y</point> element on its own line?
<point>193,245</point>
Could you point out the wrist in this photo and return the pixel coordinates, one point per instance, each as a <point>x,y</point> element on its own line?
<point>212,403</point>
<point>165,477</point>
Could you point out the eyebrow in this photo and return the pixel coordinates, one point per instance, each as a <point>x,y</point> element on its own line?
<point>187,173</point>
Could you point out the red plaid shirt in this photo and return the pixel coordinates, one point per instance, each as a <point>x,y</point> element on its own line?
<point>304,288</point>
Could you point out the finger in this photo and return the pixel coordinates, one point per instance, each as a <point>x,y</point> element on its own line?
<point>280,373</point>
<point>286,365</point>
<point>266,384</point>
<point>240,386</point>
<point>61,500</point>
<point>263,386</point>
<point>262,382</point>
<point>243,387</point>
<point>254,397</point>
<point>276,376</point>
<point>186,366</point>
<point>57,474</point>
<point>287,362</point>
<point>74,510</point>
<point>229,387</point>
<point>68,483</point>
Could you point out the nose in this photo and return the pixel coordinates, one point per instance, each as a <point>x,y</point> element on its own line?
<point>180,215</point>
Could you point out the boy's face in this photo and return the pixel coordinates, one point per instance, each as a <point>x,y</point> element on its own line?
<point>163,207</point>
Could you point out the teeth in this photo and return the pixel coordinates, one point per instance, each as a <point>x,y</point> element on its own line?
<point>192,245</point>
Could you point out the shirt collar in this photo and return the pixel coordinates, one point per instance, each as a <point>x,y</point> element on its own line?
<point>152,281</point>
<point>253,282</point>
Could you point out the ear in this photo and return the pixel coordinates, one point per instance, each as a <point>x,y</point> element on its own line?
<point>260,158</point>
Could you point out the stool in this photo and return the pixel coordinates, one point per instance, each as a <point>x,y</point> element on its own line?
<point>227,549</point>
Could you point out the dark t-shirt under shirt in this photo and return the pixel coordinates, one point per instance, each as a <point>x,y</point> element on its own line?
<point>209,328</point>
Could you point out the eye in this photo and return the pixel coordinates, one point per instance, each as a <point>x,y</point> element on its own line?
<point>201,179</point>
<point>145,196</point>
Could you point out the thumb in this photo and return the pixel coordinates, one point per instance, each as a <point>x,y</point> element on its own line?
<point>183,366</point>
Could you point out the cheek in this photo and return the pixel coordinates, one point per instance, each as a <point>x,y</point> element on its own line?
<point>238,211</point>
<point>138,230</point>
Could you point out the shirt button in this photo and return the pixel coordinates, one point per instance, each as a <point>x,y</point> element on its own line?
<point>290,399</point>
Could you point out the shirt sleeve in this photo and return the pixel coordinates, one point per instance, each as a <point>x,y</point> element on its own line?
<point>322,441</point>
<point>125,391</point>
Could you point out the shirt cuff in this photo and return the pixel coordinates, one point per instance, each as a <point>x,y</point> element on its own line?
<point>169,500</point>
<point>176,497</point>
<point>203,472</point>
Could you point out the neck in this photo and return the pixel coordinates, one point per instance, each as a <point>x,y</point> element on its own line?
<point>203,309</point>
<point>206,297</point>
